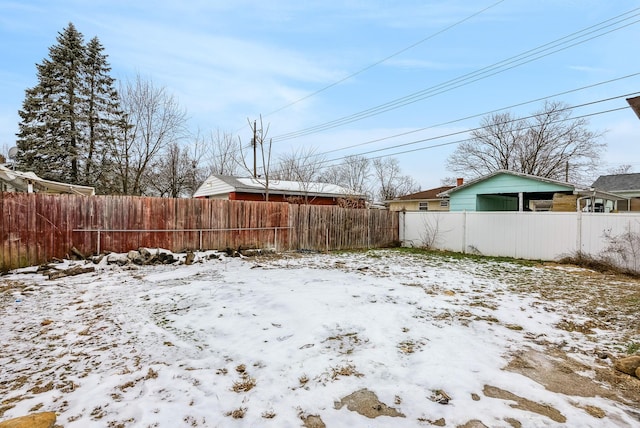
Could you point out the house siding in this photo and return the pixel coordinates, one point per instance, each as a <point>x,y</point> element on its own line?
<point>476,196</point>
<point>414,205</point>
<point>214,188</point>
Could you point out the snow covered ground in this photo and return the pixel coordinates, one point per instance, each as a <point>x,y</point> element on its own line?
<point>280,341</point>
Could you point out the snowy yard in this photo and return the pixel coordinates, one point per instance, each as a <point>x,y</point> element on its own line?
<point>377,339</point>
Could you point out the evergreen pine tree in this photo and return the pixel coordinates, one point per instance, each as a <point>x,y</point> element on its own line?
<point>50,129</point>
<point>70,116</point>
<point>104,117</point>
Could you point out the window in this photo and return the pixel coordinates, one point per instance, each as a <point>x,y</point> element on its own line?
<point>444,203</point>
<point>423,206</point>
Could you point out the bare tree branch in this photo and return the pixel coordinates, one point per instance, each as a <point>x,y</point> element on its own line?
<point>549,144</point>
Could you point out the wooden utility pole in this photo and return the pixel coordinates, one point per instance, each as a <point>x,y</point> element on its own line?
<point>255,143</point>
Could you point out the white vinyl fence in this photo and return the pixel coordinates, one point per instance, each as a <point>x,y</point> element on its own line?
<point>525,235</point>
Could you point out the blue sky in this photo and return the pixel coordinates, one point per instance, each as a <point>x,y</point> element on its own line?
<point>227,61</point>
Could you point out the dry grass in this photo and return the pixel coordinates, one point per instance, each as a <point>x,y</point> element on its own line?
<point>8,285</point>
<point>244,385</point>
<point>151,374</point>
<point>303,380</point>
<point>345,343</point>
<point>345,370</point>
<point>40,389</point>
<point>269,414</point>
<point>127,385</point>
<point>237,413</point>
<point>407,347</point>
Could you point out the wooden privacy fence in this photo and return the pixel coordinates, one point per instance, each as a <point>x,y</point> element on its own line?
<point>36,228</point>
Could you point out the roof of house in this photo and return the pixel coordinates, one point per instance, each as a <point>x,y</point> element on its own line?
<point>424,194</point>
<point>618,182</point>
<point>217,185</point>
<point>598,192</point>
<point>504,171</point>
<point>20,181</point>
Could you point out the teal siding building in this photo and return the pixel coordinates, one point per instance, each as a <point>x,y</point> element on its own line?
<point>505,191</point>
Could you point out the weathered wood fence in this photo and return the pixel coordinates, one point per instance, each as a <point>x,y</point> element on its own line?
<point>36,228</point>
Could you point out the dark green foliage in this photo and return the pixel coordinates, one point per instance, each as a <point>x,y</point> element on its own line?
<point>70,116</point>
<point>104,117</point>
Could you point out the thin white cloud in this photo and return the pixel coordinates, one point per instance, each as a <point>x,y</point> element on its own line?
<point>588,69</point>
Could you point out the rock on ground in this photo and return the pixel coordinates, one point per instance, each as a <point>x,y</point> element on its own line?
<point>628,365</point>
<point>37,420</point>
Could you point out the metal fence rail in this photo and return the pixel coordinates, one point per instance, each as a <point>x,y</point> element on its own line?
<point>199,231</point>
<point>37,227</point>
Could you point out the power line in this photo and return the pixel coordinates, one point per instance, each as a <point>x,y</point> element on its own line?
<point>470,139</point>
<point>447,86</point>
<point>496,68</point>
<point>377,140</point>
<point>448,143</point>
<point>477,128</point>
<point>401,51</point>
<point>470,117</point>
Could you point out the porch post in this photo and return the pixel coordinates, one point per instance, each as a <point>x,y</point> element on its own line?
<point>520,201</point>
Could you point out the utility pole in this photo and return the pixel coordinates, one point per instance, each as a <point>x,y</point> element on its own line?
<point>255,143</point>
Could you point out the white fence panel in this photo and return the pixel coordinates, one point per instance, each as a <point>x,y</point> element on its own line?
<point>616,237</point>
<point>440,230</point>
<point>526,235</point>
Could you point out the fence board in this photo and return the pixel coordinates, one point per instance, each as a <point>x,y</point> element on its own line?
<point>38,227</point>
<point>527,235</point>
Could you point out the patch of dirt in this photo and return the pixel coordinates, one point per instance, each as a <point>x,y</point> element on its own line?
<point>312,421</point>
<point>366,403</point>
<point>473,424</point>
<point>559,373</point>
<point>524,403</point>
<point>8,285</point>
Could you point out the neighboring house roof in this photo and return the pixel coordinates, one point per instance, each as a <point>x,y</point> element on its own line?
<point>601,193</point>
<point>424,195</point>
<point>504,171</point>
<point>618,182</point>
<point>219,185</point>
<point>21,181</point>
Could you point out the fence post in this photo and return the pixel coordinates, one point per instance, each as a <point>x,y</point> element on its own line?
<point>579,232</point>
<point>464,231</point>
<point>275,239</point>
<point>327,239</point>
<point>98,241</point>
<point>369,229</point>
<point>200,239</point>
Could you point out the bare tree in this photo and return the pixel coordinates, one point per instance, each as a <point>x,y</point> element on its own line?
<point>220,153</point>
<point>154,121</point>
<point>353,173</point>
<point>174,174</point>
<point>620,169</point>
<point>303,166</point>
<point>390,179</point>
<point>448,181</point>
<point>549,144</point>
